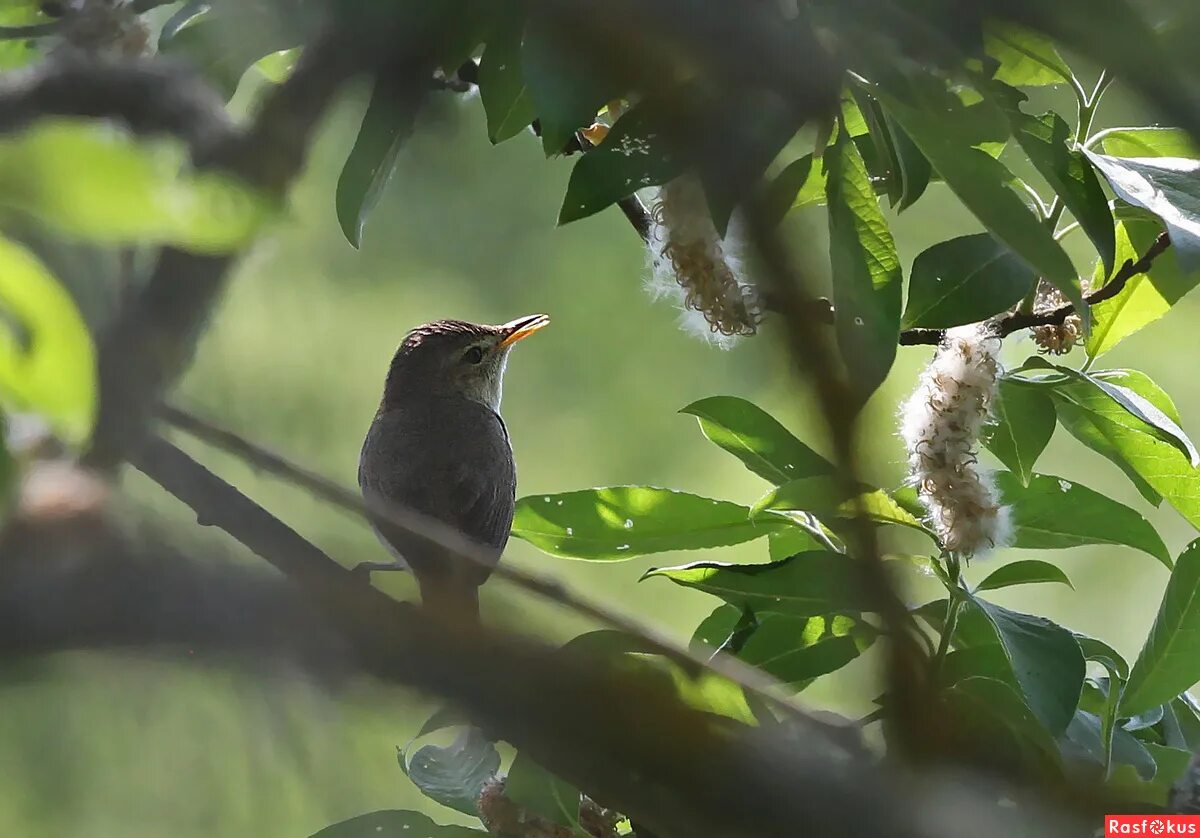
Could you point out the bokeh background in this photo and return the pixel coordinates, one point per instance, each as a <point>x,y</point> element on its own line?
<point>98,745</point>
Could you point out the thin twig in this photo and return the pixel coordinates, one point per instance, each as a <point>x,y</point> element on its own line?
<point>1016,322</point>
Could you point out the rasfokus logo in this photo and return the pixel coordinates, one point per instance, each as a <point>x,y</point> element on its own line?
<point>1151,825</point>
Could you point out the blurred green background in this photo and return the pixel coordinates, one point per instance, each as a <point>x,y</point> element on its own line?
<point>98,745</point>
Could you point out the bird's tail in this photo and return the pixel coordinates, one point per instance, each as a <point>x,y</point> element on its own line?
<point>450,599</point>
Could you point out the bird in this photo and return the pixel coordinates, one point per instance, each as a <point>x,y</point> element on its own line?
<point>437,445</point>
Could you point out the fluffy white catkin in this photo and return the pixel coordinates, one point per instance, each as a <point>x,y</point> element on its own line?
<point>941,424</point>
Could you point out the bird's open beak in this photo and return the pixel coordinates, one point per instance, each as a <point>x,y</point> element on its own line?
<point>521,328</point>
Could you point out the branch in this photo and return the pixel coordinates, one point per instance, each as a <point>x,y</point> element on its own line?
<point>32,30</point>
<point>1016,322</point>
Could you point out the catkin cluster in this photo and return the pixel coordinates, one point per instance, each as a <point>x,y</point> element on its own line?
<point>1060,339</point>
<point>941,424</point>
<point>102,28</point>
<point>690,262</point>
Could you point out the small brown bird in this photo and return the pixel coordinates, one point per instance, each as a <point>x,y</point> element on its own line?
<point>438,445</point>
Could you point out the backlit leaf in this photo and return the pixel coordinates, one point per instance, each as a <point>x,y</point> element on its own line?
<point>1024,572</point>
<point>1025,421</point>
<point>965,280</point>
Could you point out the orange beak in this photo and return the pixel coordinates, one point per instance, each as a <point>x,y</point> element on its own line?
<point>522,328</point>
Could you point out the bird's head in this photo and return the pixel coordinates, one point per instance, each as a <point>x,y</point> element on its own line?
<point>453,356</point>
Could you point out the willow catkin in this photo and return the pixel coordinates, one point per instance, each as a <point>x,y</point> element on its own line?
<point>692,264</point>
<point>1055,339</point>
<point>941,424</point>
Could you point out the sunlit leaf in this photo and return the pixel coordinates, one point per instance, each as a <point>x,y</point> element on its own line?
<point>89,180</point>
<point>536,790</point>
<point>47,359</point>
<point>866,269</point>
<point>965,280</point>
<point>621,522</point>
<point>796,650</point>
<point>453,775</point>
<point>395,823</point>
<point>226,43</point>
<point>19,52</point>
<point>825,497</point>
<point>1147,142</point>
<point>1026,58</point>
<point>1170,659</point>
<point>1039,523</point>
<point>1024,572</point>
<point>783,544</point>
<point>1025,421</point>
<point>1144,408</point>
<point>278,66</point>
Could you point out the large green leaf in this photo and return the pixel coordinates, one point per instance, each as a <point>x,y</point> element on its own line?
<point>797,650</point>
<point>825,497</point>
<point>866,269</point>
<point>1052,513</point>
<point>537,790</point>
<point>1170,765</point>
<point>395,823</point>
<point>988,717</point>
<point>811,584</point>
<point>89,180</point>
<point>1115,384</point>
<point>1170,659</point>
<point>620,522</point>
<point>1169,187</point>
<point>1024,572</point>
<point>1147,142</point>
<point>1025,58</point>
<point>47,359</point>
<point>946,132</point>
<point>1045,658</point>
<point>1084,738</point>
<point>1103,654</point>
<point>965,280</point>
<point>634,155</point>
<point>1145,297</point>
<point>453,775</point>
<point>506,100</point>
<point>1046,140</point>
<point>1025,421</point>
<point>752,435</point>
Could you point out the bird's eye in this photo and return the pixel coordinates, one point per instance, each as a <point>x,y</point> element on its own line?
<point>474,355</point>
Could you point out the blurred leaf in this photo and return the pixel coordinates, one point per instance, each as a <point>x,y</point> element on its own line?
<point>1147,142</point>
<point>395,823</point>
<point>1169,187</point>
<point>1184,718</point>
<point>189,13</point>
<point>632,156</point>
<point>455,775</point>
<point>1053,513</point>
<point>1024,572</point>
<point>987,717</point>
<point>1170,764</point>
<point>809,584</point>
<point>387,124</point>
<point>506,99</point>
<point>783,544</point>
<point>867,282</point>
<point>1170,659</point>
<point>1045,659</point>
<point>20,52</point>
<point>443,717</point>
<point>800,183</point>
<point>1086,734</point>
<point>824,497</point>
<point>796,650</point>
<point>86,179</point>
<point>915,171</point>
<point>752,435</point>
<point>1047,140</point>
<point>278,66</point>
<point>965,280</point>
<point>1101,652</point>
<point>1026,58</point>
<point>47,359</point>
<point>1146,297</point>
<point>715,629</point>
<point>947,132</point>
<point>621,522</point>
<point>889,174</point>
<point>224,49</point>
<point>534,788</point>
<point>988,661</point>
<point>1025,421</point>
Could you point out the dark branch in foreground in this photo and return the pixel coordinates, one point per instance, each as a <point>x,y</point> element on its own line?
<point>1016,322</point>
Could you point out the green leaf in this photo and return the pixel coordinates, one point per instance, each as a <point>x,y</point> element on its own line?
<point>809,584</point>
<point>752,435</point>
<point>1144,409</point>
<point>20,52</point>
<point>506,100</point>
<point>1046,139</point>
<point>534,788</point>
<point>798,184</point>
<point>1024,572</point>
<point>888,173</point>
<point>783,544</point>
<point>866,270</point>
<point>1169,187</point>
<point>1102,653</point>
<point>715,629</point>
<point>47,359</point>
<point>1170,764</point>
<point>1045,659</point>
<point>1025,421</point>
<point>395,823</point>
<point>965,280</point>
<point>86,179</point>
<point>620,522</point>
<point>797,650</point>
<point>454,775</point>
<point>947,132</point>
<point>1181,723</point>
<point>224,47</point>
<point>634,155</point>
<point>1081,425</point>
<point>1145,297</point>
<point>824,497</point>
<point>1170,659</point>
<point>1147,142</point>
<point>989,717</point>
<point>915,171</point>
<point>1026,58</point>
<point>387,124</point>
<point>278,66</point>
<point>1052,513</point>
<point>1086,734</point>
